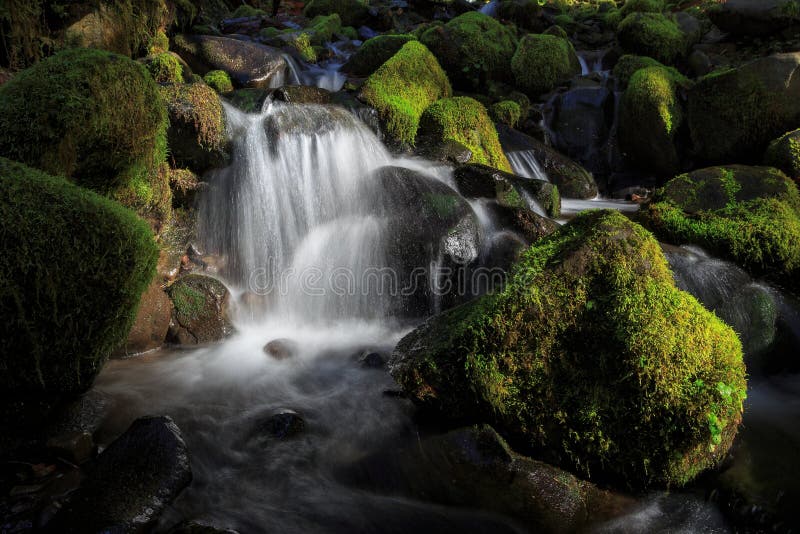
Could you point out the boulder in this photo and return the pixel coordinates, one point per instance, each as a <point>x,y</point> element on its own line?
<point>132,482</point>
<point>526,14</point>
<point>249,64</point>
<point>281,349</point>
<point>352,12</point>
<point>784,153</point>
<point>588,339</point>
<point>116,27</point>
<point>281,424</point>
<point>581,122</point>
<point>445,150</point>
<point>542,62</point>
<point>653,35</point>
<point>166,68</point>
<point>149,330</point>
<point>301,94</point>
<point>375,52</point>
<point>756,17</point>
<point>528,224</point>
<point>480,181</point>
<point>200,310</point>
<point>249,100</point>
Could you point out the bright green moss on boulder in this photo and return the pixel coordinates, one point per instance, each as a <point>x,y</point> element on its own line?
<point>642,6</point>
<point>374,52</point>
<point>784,153</point>
<point>750,215</point>
<point>630,63</point>
<point>73,267</point>
<point>323,28</point>
<point>591,356</point>
<point>650,116</point>
<point>403,87</point>
<point>219,81</point>
<point>653,35</point>
<point>352,12</point>
<point>92,116</point>
<point>508,112</point>
<point>542,62</point>
<point>465,120</point>
<point>165,68</point>
<point>473,48</point>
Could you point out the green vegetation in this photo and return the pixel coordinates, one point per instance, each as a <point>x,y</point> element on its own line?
<point>748,214</point>
<point>158,44</point>
<point>642,6</point>
<point>473,48</point>
<point>653,35</point>
<point>784,153</point>
<point>73,267</point>
<point>508,112</point>
<point>247,11</point>
<point>352,12</point>
<point>374,52</point>
<point>629,64</point>
<point>525,14</point>
<point>403,87</point>
<point>465,120</point>
<point>302,43</point>
<point>591,356</point>
<point>219,81</point>
<point>165,68</point>
<point>542,62</point>
<point>322,28</point>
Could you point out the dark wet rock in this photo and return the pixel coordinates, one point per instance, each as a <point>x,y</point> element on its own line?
<point>282,424</point>
<point>481,181</point>
<point>132,481</point>
<point>784,153</point>
<point>699,63</point>
<point>199,527</point>
<point>150,327</point>
<point>474,467</point>
<point>373,360</point>
<point>572,179</point>
<point>84,414</point>
<point>75,446</point>
<point>281,349</point>
<point>302,94</point>
<point>249,99</point>
<point>312,119</point>
<point>755,17</point>
<point>531,226</point>
<point>248,64</point>
<point>437,150</point>
<point>200,310</point>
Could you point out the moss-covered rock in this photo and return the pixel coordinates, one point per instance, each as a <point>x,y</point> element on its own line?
<point>374,52</point>
<point>784,153</point>
<point>542,62</point>
<point>756,17</point>
<point>481,181</point>
<point>201,308</point>
<point>734,114</point>
<point>473,48</point>
<point>323,27</point>
<point>508,112</point>
<point>403,87</point>
<point>748,214</point>
<point>165,68</point>
<point>526,14</point>
<point>219,81</point>
<point>642,6</point>
<point>591,356</point>
<point>245,11</point>
<point>650,116</point>
<point>158,44</point>
<point>465,120</point>
<point>73,267</point>
<point>352,12</point>
<point>249,100</point>
<point>654,35</point>
<point>628,64</point>
<point>197,135</point>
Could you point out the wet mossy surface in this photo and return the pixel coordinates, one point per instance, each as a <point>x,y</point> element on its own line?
<point>219,81</point>
<point>374,52</point>
<point>351,12</point>
<point>653,35</point>
<point>73,268</point>
<point>165,68</point>
<point>784,153</point>
<point>541,62</point>
<point>590,356</point>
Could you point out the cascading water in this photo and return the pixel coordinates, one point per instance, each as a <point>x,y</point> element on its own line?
<point>524,163</point>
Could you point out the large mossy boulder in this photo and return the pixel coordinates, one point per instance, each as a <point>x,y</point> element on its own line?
<point>197,136</point>
<point>541,62</point>
<point>748,214</point>
<point>73,268</point>
<point>352,12</point>
<point>591,356</point>
<point>403,87</point>
<point>473,48</point>
<point>733,114</point>
<point>526,14</point>
<point>92,116</point>
<point>654,35</point>
<point>465,121</point>
<point>629,64</point>
<point>374,52</point>
<point>756,17</point>
<point>784,153</point>
<point>651,115</point>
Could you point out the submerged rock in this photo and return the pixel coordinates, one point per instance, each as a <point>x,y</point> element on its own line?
<point>588,339</point>
<point>132,481</point>
<point>281,349</point>
<point>200,312</point>
<point>282,424</point>
<point>302,94</point>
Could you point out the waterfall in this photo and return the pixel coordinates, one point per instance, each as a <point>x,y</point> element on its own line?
<point>523,163</point>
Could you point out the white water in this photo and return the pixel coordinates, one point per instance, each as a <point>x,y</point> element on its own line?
<point>572,206</point>
<point>524,163</point>
<point>585,57</point>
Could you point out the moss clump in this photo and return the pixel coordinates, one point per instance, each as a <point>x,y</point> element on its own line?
<point>165,68</point>
<point>403,87</point>
<point>642,6</point>
<point>322,28</point>
<point>525,14</point>
<point>473,48</point>
<point>92,116</point>
<point>591,356</point>
<point>465,120</point>
<point>508,112</point>
<point>750,215</point>
<point>197,136</point>
<point>653,35</point>
<point>158,44</point>
<point>374,52</point>
<point>352,12</point>
<point>219,81</point>
<point>650,117</point>
<point>541,62</point>
<point>247,11</point>
<point>73,267</point>
<point>302,43</point>
<point>784,153</point>
<point>630,63</point>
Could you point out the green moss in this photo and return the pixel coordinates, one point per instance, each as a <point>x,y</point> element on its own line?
<point>374,52</point>
<point>165,68</point>
<point>784,153</point>
<point>73,267</point>
<point>322,28</point>
<point>541,62</point>
<point>350,32</point>
<point>403,87</point>
<point>247,11</point>
<point>750,215</point>
<point>508,112</point>
<point>302,43</point>
<point>351,12</point>
<point>630,63</point>
<point>591,356</point>
<point>219,81</point>
<point>650,116</point>
<point>465,120</point>
<point>92,116</point>
<point>473,48</point>
<point>158,44</point>
<point>653,35</point>
<point>642,6</point>
<point>524,13</point>
<point>188,301</point>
